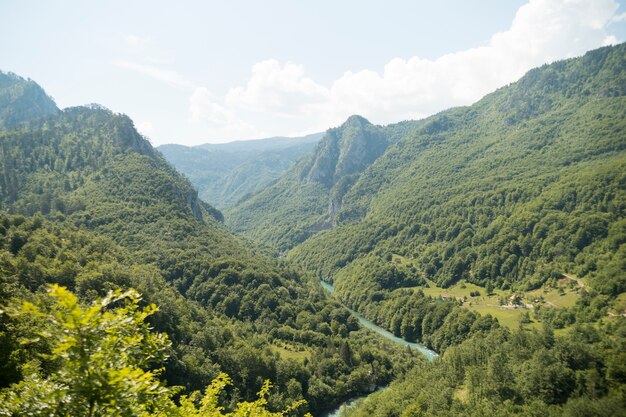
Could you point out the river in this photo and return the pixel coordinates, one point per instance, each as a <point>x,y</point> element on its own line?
<point>428,354</point>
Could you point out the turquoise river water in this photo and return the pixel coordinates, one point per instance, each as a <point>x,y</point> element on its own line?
<point>428,354</point>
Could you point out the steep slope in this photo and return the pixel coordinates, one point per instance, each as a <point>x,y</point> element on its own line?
<point>57,156</point>
<point>227,173</point>
<point>306,199</point>
<point>94,207</point>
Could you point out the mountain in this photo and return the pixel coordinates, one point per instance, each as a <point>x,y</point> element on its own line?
<point>224,174</point>
<point>87,203</point>
<point>506,208</point>
<point>306,199</point>
<point>524,184</point>
<point>494,234</point>
<point>21,100</point>
<point>512,193</point>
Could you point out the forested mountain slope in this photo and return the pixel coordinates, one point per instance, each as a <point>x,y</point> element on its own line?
<point>306,199</point>
<point>518,192</point>
<point>88,203</point>
<point>225,174</point>
<point>524,185</point>
<point>520,373</point>
<point>521,191</point>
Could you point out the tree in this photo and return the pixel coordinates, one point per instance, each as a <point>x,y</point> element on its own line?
<point>101,358</point>
<point>209,404</point>
<point>101,354</point>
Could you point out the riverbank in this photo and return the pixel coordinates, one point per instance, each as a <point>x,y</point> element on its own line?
<point>428,354</point>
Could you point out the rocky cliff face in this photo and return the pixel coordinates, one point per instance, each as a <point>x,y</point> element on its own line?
<point>346,150</point>
<point>309,197</point>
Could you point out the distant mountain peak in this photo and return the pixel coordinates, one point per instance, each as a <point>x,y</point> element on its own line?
<point>230,172</point>
<point>356,120</point>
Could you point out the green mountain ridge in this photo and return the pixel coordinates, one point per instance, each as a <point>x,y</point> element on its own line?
<point>228,173</point>
<point>520,192</point>
<point>529,156</point>
<point>520,197</point>
<point>305,200</point>
<point>454,190</point>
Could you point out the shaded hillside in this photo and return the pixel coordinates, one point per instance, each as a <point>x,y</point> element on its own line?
<point>306,199</point>
<point>226,173</point>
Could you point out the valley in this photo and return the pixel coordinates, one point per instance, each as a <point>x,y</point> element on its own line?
<point>472,262</point>
<point>499,220</point>
<point>226,174</point>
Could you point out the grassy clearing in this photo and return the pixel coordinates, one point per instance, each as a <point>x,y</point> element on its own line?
<point>508,314</point>
<point>563,293</point>
<point>509,317</point>
<point>290,351</point>
<point>554,297</point>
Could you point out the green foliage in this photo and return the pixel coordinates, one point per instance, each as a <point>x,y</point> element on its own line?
<point>519,373</point>
<point>99,365</point>
<point>209,403</point>
<point>518,189</point>
<point>490,202</point>
<point>99,209</point>
<point>100,356</point>
<point>510,193</point>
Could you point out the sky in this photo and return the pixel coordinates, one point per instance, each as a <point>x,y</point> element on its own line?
<point>194,72</point>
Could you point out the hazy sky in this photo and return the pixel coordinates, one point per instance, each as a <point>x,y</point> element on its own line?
<point>193,72</point>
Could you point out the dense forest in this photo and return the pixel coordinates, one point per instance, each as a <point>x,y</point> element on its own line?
<point>123,293</point>
<point>90,205</point>
<point>523,373</point>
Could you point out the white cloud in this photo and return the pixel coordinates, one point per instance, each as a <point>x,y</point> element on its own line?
<point>165,75</point>
<point>273,88</point>
<point>145,128</point>
<point>542,31</point>
<point>219,121</point>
